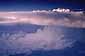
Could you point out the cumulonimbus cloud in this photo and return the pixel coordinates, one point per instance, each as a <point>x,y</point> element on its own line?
<point>68,19</point>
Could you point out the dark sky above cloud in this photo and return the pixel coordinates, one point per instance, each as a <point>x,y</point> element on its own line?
<point>39,4</point>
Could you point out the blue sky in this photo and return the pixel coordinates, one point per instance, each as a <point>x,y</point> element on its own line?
<point>7,5</point>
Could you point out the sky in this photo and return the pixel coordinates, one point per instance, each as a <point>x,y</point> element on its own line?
<point>7,5</point>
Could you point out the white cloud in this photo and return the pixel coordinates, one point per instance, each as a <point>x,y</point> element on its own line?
<point>47,39</point>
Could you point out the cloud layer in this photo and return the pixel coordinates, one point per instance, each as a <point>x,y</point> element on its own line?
<point>49,38</point>
<point>43,17</point>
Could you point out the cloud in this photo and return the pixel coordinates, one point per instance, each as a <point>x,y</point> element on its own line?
<point>43,17</point>
<point>49,38</point>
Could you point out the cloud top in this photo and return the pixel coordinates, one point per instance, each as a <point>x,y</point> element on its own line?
<point>49,38</point>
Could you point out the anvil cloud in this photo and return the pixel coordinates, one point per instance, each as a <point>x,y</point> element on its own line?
<point>43,17</point>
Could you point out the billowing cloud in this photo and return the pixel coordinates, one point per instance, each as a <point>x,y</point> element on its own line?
<point>43,17</point>
<point>48,38</point>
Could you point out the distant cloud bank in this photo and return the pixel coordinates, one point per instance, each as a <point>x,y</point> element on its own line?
<point>60,17</point>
